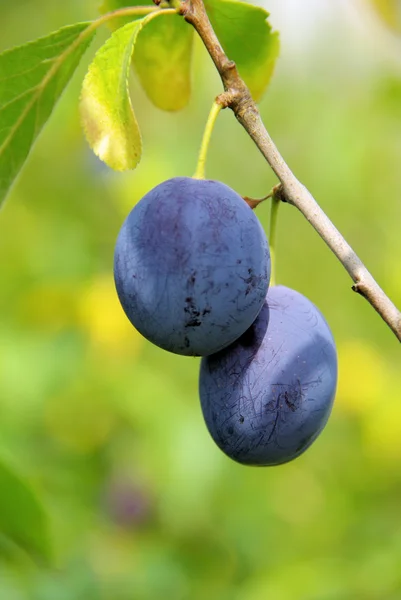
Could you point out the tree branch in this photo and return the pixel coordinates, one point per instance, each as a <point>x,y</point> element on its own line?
<point>237,97</point>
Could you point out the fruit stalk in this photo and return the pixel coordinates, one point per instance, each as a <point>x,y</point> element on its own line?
<point>200,169</point>
<point>272,237</point>
<point>239,99</point>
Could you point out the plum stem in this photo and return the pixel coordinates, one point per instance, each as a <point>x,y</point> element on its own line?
<point>254,202</point>
<point>273,237</point>
<point>207,134</point>
<point>239,99</point>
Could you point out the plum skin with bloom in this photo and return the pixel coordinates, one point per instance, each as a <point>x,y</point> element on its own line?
<point>268,396</point>
<point>192,266</point>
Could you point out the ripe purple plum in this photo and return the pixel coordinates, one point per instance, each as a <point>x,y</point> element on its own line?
<point>192,266</point>
<point>268,396</point>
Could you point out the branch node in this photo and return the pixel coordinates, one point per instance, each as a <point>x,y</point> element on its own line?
<point>185,9</point>
<point>279,193</point>
<point>358,288</point>
<point>225,99</point>
<point>230,65</point>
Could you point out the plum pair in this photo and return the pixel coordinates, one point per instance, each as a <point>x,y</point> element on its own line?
<point>192,271</point>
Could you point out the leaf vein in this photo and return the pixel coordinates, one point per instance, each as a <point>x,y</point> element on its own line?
<point>41,86</point>
<point>16,98</point>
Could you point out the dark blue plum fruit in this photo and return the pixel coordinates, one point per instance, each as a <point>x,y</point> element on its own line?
<point>192,266</point>
<point>267,397</point>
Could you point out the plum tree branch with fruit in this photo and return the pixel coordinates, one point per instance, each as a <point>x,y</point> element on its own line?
<point>237,97</point>
<point>193,268</point>
<point>110,124</point>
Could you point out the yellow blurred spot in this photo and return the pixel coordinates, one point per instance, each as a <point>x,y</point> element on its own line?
<point>389,12</point>
<point>362,375</point>
<point>112,553</point>
<point>297,496</point>
<point>273,584</point>
<point>49,308</point>
<point>79,419</point>
<point>370,389</point>
<point>104,319</point>
<point>382,427</point>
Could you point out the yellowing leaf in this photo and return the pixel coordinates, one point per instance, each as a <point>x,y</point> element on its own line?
<point>162,60</point>
<point>32,77</point>
<point>107,116</point>
<point>162,57</point>
<point>247,38</point>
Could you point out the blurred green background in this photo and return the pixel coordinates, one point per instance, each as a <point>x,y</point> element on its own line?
<point>108,429</point>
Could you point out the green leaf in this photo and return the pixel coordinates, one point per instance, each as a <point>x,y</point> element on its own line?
<point>107,116</point>
<point>247,38</point>
<point>32,77</point>
<point>22,517</point>
<point>162,59</point>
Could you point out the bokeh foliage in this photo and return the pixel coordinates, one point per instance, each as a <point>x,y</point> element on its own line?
<point>108,429</point>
